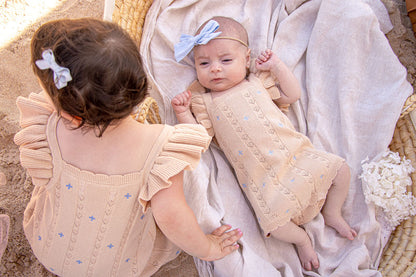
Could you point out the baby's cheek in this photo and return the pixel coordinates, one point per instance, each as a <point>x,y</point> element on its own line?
<point>203,80</point>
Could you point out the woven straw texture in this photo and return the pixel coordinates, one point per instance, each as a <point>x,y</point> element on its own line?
<point>130,15</point>
<point>399,255</point>
<point>147,112</point>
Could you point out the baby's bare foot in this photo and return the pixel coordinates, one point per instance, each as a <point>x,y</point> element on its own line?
<point>307,255</point>
<point>340,225</point>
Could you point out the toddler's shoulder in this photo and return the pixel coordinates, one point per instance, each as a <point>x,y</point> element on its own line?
<point>35,154</point>
<point>178,148</point>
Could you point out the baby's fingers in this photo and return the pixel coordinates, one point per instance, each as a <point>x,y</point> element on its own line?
<point>264,56</point>
<point>181,99</point>
<point>175,101</point>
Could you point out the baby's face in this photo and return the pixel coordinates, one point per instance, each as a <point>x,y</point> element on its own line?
<point>221,64</point>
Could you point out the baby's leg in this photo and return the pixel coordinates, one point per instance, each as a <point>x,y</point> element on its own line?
<point>292,233</point>
<point>334,201</point>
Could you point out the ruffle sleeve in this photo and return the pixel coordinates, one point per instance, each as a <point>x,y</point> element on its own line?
<point>182,151</point>
<point>35,154</point>
<point>199,108</point>
<point>270,84</point>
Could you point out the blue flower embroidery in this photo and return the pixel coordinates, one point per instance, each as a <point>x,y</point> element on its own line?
<point>79,261</point>
<point>69,186</point>
<point>128,195</point>
<point>110,245</point>
<point>92,218</point>
<point>60,234</point>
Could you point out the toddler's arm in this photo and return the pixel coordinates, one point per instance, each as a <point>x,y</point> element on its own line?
<point>289,85</point>
<point>181,106</point>
<point>177,221</point>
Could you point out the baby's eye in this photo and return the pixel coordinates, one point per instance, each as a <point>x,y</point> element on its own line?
<point>203,63</point>
<point>227,60</point>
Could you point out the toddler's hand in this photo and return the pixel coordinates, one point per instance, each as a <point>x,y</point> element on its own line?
<point>222,242</point>
<point>181,102</point>
<point>267,60</point>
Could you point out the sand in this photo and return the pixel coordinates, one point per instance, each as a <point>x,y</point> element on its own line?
<point>16,78</point>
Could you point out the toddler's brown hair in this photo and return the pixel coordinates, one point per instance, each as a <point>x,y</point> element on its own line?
<point>108,79</point>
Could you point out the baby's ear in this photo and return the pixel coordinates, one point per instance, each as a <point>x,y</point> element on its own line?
<point>248,57</point>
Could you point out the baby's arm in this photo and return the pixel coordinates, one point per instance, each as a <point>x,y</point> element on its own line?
<point>289,85</point>
<point>177,221</point>
<point>181,106</point>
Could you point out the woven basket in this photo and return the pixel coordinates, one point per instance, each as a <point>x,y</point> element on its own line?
<point>399,254</point>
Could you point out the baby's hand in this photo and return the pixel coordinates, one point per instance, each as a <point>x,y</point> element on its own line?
<point>181,105</point>
<point>267,60</point>
<point>181,102</point>
<point>222,242</point>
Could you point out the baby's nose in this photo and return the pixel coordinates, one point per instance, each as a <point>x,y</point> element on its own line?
<point>216,67</point>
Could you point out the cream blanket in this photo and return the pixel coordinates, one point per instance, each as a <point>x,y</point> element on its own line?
<point>353,90</point>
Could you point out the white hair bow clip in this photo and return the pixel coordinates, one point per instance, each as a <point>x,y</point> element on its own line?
<point>61,75</point>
